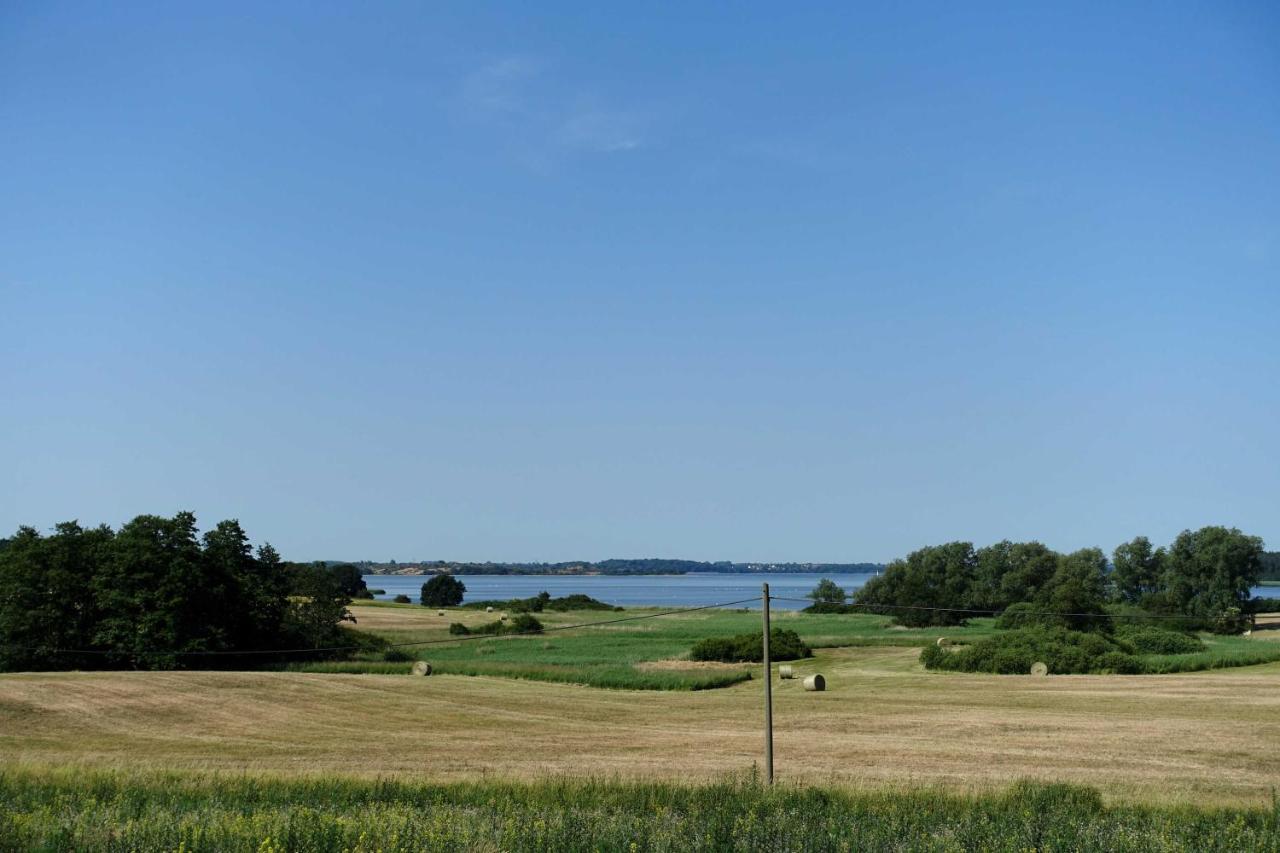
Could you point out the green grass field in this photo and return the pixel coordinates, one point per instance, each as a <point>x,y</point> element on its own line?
<point>645,654</point>
<point>73,812</point>
<point>650,654</point>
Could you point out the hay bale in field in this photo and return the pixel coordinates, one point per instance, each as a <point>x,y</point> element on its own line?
<point>815,682</point>
<point>439,612</point>
<point>488,610</point>
<point>1039,668</point>
<point>502,617</point>
<point>785,671</point>
<point>943,641</point>
<point>421,667</point>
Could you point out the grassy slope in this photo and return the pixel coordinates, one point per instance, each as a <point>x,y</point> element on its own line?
<point>95,812</point>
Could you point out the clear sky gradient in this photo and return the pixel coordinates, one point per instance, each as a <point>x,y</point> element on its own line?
<point>735,281</point>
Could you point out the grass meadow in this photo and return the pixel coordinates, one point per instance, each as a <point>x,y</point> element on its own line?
<point>645,654</point>
<point>113,811</point>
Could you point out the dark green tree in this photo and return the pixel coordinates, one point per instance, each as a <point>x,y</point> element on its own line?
<point>1077,592</point>
<point>1210,571</point>
<point>1138,570</point>
<point>1007,573</point>
<point>938,576</point>
<point>443,591</point>
<point>47,609</point>
<point>317,608</point>
<point>250,590</point>
<point>828,592</point>
<point>154,596</point>
<point>350,579</point>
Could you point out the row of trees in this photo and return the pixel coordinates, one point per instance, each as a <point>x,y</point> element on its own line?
<point>1205,575</point>
<point>156,594</point>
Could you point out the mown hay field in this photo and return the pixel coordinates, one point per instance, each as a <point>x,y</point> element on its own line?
<point>1205,738</point>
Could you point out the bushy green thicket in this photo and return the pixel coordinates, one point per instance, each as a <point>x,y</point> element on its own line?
<point>744,648</point>
<point>1204,575</point>
<point>521,623</point>
<point>100,812</point>
<point>1151,640</point>
<point>157,594</point>
<point>542,601</point>
<point>1013,653</point>
<point>833,607</point>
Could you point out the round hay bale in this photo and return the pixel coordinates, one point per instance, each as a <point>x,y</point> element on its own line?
<point>815,682</point>
<point>943,641</point>
<point>439,612</point>
<point>488,610</point>
<point>785,671</point>
<point>1039,668</point>
<point>502,617</point>
<point>421,667</point>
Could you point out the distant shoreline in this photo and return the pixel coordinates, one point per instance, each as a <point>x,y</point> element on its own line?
<point>597,573</point>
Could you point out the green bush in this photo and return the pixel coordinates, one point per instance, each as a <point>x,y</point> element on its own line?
<point>522,623</point>
<point>743,648</point>
<point>1150,640</point>
<point>396,656</point>
<point>1020,615</point>
<point>540,602</point>
<point>833,607</point>
<point>1013,653</point>
<point>403,599</point>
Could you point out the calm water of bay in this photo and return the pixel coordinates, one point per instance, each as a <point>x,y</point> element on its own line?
<point>691,590</point>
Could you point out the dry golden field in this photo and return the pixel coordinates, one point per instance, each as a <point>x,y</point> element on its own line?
<point>1210,737</point>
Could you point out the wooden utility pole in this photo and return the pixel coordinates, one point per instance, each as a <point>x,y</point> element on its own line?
<point>768,696</point>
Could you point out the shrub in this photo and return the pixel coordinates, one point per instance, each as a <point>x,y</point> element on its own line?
<point>396,656</point>
<point>744,648</point>
<point>542,601</point>
<point>1013,653</point>
<point>403,599</point>
<point>522,623</point>
<point>1020,615</point>
<point>832,607</point>
<point>1150,640</point>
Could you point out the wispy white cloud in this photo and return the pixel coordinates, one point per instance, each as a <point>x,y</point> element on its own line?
<point>500,87</point>
<point>545,120</point>
<point>602,130</point>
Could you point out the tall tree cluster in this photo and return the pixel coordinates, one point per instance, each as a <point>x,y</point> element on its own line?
<point>156,595</point>
<point>1204,574</point>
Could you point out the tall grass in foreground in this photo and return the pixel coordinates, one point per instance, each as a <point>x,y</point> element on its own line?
<point>75,811</point>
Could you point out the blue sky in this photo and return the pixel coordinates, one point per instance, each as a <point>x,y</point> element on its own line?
<point>723,282</point>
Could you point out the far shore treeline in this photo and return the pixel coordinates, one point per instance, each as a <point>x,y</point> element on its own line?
<point>645,566</point>
<point>157,595</point>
